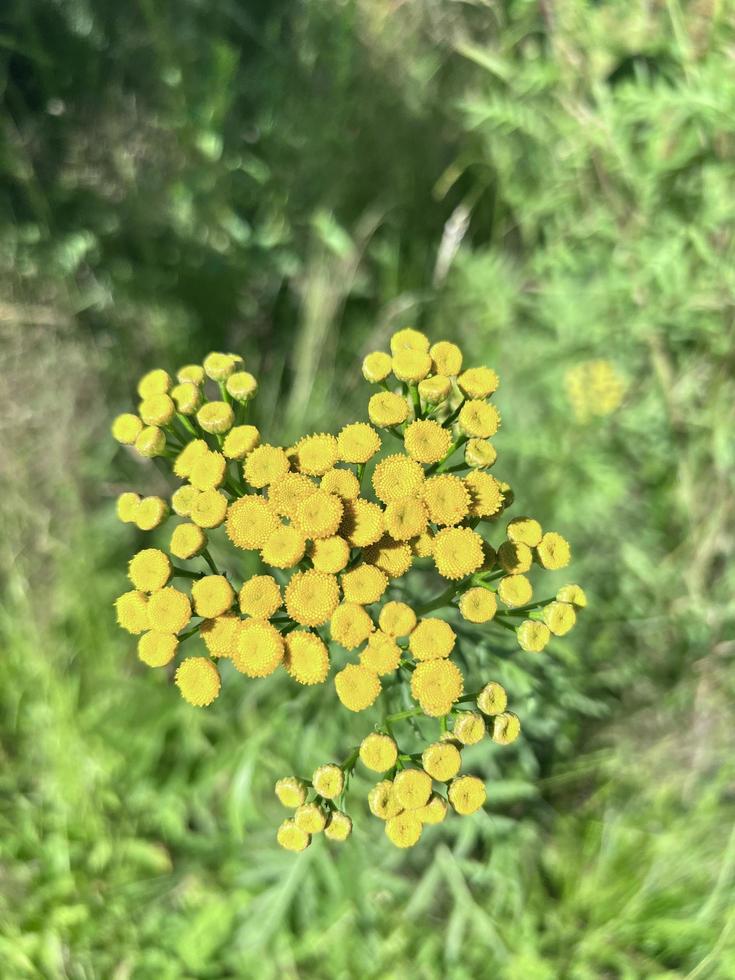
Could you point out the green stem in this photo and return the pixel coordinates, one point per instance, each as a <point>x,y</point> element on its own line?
<point>441,600</point>
<point>351,761</point>
<point>185,636</point>
<point>208,558</point>
<point>448,421</point>
<point>402,715</point>
<point>184,572</point>
<point>416,399</point>
<point>522,610</point>
<point>459,441</point>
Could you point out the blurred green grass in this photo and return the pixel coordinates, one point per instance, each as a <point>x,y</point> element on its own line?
<point>544,184</point>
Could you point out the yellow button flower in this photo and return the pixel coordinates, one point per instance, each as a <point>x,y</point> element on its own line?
<point>182,500</point>
<point>209,509</point>
<point>479,382</point>
<point>187,397</point>
<point>533,636</point>
<point>403,830</point>
<point>446,358</point>
<point>330,554</point>
<point>306,658</point>
<point>478,420</point>
<point>240,441</point>
<point>250,522</point>
<point>126,428</point>
<point>193,373</point>
<point>442,761</point>
<point>396,477</point>
<point>220,635</point>
<point>350,625</point>
<point>187,540</point>
<point>260,597</point>
<point>316,454</point>
<point>409,339</point>
<point>311,818</point>
<point>478,605</point>
<point>458,552</point>
<point>392,557</point>
<point>156,382</point>
<point>216,417</point>
<point>492,699</point>
<point>525,530</point>
<point>157,649</point>
<point>357,687</point>
<point>358,443</point>
<point>291,837</point>
<point>364,584</point>
<point>406,518</point>
<point>291,792</point>
<point>341,482</point>
<point>506,728</point>
<point>560,617</point>
<point>288,492</point>
<point>328,781</point>
<point>436,685</point>
<point>397,619</point>
<point>553,551</point>
<point>311,597</point>
<point>168,611</point>
<point>446,499</point>
<point>412,788</point>
<point>339,827</point>
<point>319,515</point>
<point>435,390</point>
<point>479,453</point>
<point>157,410</point>
<point>218,366</point>
<point>376,366</point>
<point>486,495</point>
<point>434,812</point>
<point>198,680</point>
<point>264,465</point>
<point>126,507</point>
<point>378,752</point>
<point>259,648</point>
<point>432,639</point>
<point>241,386</point>
<point>467,794</point>
<point>515,590</point>
<point>151,442</point>
<point>514,557</point>
<point>132,611</point>
<point>469,727</point>
<point>382,801</point>
<point>285,547</point>
<point>208,471</point>
<point>362,523</point>
<point>573,594</point>
<point>381,655</point>
<point>212,595</point>
<point>386,408</point>
<point>149,570</point>
<point>427,441</point>
<point>151,512</point>
<point>411,365</point>
<point>188,456</point>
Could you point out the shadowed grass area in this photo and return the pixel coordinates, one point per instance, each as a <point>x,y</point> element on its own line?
<point>547,185</point>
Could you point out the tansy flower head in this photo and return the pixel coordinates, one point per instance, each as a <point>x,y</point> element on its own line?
<point>339,827</point>
<point>515,590</point>
<point>362,523</point>
<point>457,552</point>
<point>435,390</point>
<point>240,441</point>
<point>149,570</point>
<point>467,794</point>
<point>403,830</point>
<point>157,410</point>
<point>357,687</point>
<point>316,454</point>
<point>250,522</point>
<point>382,654</point>
<point>291,792</point>
<point>479,453</point>
<point>533,636</point>
<point>193,373</point>
<point>486,495</point>
<point>212,595</point>
<point>198,680</point>
<point>514,558</point>
<point>187,540</point>
<point>291,837</point>
<point>187,397</point>
<point>469,727</point>
<point>259,648</point>
<point>435,810</point>
<point>397,619</point>
<point>151,512</point>
<point>241,386</point>
<point>264,465</point>
<point>431,639</point>
<point>478,605</point>
<point>310,818</point>
<point>492,699</point>
<point>311,597</point>
<point>446,499</point>
<point>525,530</point>
<point>573,594</point>
<point>285,547</point>
<point>341,482</point>
<point>260,597</point>
<point>392,557</point>
<point>156,382</point>
<point>216,417</point>
<point>378,752</point>
<point>127,507</point>
<point>132,611</point>
<point>329,554</point>
<point>427,441</point>
<point>396,477</point>
<point>157,649</point>
<point>328,781</point>
<point>386,408</point>
<point>350,625</point>
<point>560,617</point>
<point>126,428</point>
<point>412,788</point>
<point>478,382</point>
<point>406,518</point>
<point>287,493</point>
<point>306,657</point>
<point>478,420</point>
<point>553,551</point>
<point>436,685</point>
<point>376,366</point>
<point>506,728</point>
<point>411,365</point>
<point>446,358</point>
<point>188,456</point>
<point>218,366</point>
<point>442,761</point>
<point>182,500</point>
<point>168,610</point>
<point>151,442</point>
<point>220,635</point>
<point>319,515</point>
<point>358,443</point>
<point>382,800</point>
<point>209,509</point>
<point>409,339</point>
<point>208,471</point>
<point>364,584</point>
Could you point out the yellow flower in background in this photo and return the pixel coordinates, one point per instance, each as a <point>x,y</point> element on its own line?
<point>315,533</point>
<point>594,388</point>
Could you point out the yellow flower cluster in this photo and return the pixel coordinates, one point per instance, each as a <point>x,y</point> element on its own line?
<point>334,523</point>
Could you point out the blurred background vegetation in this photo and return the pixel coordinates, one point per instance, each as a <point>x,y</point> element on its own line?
<point>547,182</point>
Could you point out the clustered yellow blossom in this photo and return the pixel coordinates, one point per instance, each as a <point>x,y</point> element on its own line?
<point>342,534</point>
